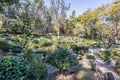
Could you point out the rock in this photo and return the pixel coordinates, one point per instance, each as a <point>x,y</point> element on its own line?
<point>9,53</point>
<point>75,68</point>
<point>7,39</point>
<point>41,51</point>
<point>111,62</point>
<point>78,56</point>
<point>20,54</point>
<point>51,71</point>
<point>103,49</point>
<point>109,76</point>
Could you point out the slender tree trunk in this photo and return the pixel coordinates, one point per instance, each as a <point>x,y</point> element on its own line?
<point>58,32</point>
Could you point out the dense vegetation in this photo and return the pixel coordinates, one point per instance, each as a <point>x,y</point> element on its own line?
<point>14,68</point>
<point>33,36</point>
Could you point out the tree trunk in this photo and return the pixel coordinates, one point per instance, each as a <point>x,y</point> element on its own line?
<point>58,32</point>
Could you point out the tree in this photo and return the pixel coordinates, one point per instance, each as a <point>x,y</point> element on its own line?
<point>58,10</point>
<point>4,3</point>
<point>88,19</point>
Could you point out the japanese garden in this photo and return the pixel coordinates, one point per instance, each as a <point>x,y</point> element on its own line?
<point>39,40</point>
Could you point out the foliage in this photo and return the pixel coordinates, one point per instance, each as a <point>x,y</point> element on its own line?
<point>13,27</point>
<point>58,13</point>
<point>16,68</point>
<point>16,49</point>
<point>45,42</point>
<point>4,46</point>
<point>6,3</point>
<point>65,45</point>
<point>98,45</point>
<point>79,49</point>
<point>90,57</point>
<point>38,66</point>
<point>23,40</point>
<point>116,52</point>
<point>35,41</point>
<point>89,42</point>
<point>79,30</point>
<point>62,59</point>
<point>107,55</point>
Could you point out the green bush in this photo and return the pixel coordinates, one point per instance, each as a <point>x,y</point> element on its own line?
<point>98,45</point>
<point>76,49</point>
<point>79,49</point>
<point>116,52</point>
<point>62,59</point>
<point>107,55</point>
<point>48,48</point>
<point>35,41</point>
<point>4,46</point>
<point>16,49</point>
<point>90,57</point>
<point>65,45</point>
<point>89,42</point>
<point>38,66</point>
<point>45,42</point>
<point>14,68</point>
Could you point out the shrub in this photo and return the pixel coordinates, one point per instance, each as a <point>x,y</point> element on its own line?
<point>116,52</point>
<point>76,49</point>
<point>35,41</point>
<point>45,42</point>
<point>79,49</point>
<point>65,45</point>
<point>16,49</point>
<point>49,48</point>
<point>62,59</point>
<point>107,55</point>
<point>14,68</point>
<point>98,45</point>
<point>89,42</point>
<point>90,57</point>
<point>38,66</point>
<point>4,46</point>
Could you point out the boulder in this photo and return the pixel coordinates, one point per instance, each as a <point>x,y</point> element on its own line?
<point>41,51</point>
<point>20,54</point>
<point>9,53</point>
<point>51,71</point>
<point>111,62</point>
<point>75,68</point>
<point>109,76</point>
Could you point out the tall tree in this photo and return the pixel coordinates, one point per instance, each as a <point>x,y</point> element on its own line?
<point>58,13</point>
